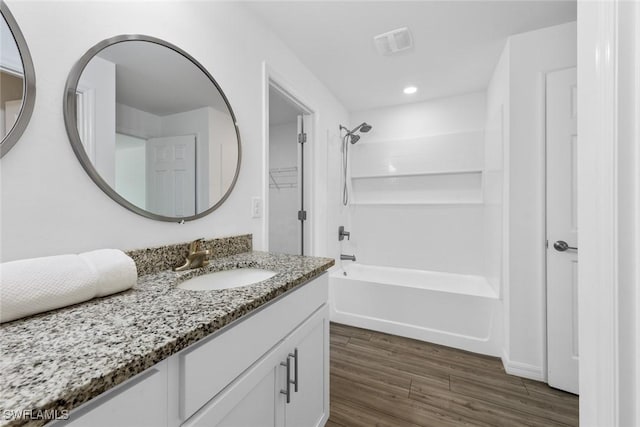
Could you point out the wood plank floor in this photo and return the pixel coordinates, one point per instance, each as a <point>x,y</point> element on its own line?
<point>385,380</point>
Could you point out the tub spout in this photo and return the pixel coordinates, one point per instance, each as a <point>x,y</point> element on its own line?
<point>344,257</point>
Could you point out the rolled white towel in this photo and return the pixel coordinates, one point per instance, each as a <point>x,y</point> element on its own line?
<point>35,285</point>
<point>116,271</point>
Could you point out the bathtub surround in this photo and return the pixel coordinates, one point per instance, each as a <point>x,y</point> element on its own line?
<point>493,179</point>
<point>46,358</point>
<point>432,228</point>
<point>153,260</point>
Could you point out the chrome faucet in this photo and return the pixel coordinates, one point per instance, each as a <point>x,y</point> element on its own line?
<point>344,257</point>
<point>196,257</point>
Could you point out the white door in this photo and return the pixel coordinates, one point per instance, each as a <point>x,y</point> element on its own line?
<point>562,231</point>
<point>171,175</point>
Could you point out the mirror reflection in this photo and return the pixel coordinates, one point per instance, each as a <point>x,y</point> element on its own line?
<point>156,129</point>
<point>11,79</point>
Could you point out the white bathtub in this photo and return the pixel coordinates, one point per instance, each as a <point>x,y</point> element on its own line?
<point>450,309</point>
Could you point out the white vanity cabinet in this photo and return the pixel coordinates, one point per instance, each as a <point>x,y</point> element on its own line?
<point>261,397</point>
<point>236,377</point>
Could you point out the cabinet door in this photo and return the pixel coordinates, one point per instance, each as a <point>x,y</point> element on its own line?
<point>250,401</point>
<point>309,406</point>
<point>256,409</point>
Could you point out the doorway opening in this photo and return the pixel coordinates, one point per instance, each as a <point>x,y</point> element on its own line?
<point>288,213</point>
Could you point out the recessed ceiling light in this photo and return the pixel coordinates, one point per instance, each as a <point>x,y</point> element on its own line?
<point>410,90</point>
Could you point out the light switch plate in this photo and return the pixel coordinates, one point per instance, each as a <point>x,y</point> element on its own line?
<point>256,207</point>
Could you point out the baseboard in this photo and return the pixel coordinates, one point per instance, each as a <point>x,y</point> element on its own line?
<point>524,370</point>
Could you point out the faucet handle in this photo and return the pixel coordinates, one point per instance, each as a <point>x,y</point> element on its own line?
<point>193,246</point>
<point>342,234</point>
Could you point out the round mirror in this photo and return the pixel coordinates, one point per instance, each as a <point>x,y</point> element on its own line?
<point>152,128</point>
<point>17,81</point>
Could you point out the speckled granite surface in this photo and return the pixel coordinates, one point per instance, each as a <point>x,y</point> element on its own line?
<point>153,260</point>
<point>60,359</point>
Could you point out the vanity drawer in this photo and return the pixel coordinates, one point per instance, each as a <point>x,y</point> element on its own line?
<point>140,401</point>
<point>208,367</point>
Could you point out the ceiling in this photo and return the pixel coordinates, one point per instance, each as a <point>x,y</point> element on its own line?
<point>456,43</point>
<point>158,80</point>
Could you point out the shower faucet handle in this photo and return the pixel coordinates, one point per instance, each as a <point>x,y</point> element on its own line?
<point>342,234</point>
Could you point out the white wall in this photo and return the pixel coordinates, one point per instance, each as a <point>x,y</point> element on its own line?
<point>138,123</point>
<point>531,55</point>
<point>51,206</point>
<point>284,203</point>
<point>435,236</point>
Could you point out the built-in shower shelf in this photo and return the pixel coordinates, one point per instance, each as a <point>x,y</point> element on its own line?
<point>412,174</point>
<point>456,152</point>
<point>436,203</point>
<point>459,187</point>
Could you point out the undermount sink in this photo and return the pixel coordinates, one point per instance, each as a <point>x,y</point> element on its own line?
<point>227,279</point>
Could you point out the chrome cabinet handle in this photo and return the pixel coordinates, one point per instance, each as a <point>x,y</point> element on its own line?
<point>287,392</point>
<point>562,246</point>
<point>295,369</point>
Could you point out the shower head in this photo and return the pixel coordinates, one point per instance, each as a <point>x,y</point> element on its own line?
<point>364,127</point>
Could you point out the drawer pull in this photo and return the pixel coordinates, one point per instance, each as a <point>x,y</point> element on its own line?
<point>287,392</point>
<point>295,368</point>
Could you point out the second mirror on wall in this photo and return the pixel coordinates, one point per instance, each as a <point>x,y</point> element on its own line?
<point>17,81</point>
<point>152,128</point>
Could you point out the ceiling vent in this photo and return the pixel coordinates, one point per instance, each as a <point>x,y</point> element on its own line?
<point>393,41</point>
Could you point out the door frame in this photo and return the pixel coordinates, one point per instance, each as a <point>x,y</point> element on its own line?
<point>607,35</point>
<point>272,79</point>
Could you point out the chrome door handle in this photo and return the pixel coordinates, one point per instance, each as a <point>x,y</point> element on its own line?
<point>562,246</point>
<point>287,392</point>
<point>295,369</point>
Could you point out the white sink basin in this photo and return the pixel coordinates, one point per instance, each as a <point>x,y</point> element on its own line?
<point>227,279</point>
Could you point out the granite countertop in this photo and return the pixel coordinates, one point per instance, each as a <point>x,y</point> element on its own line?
<point>61,359</point>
